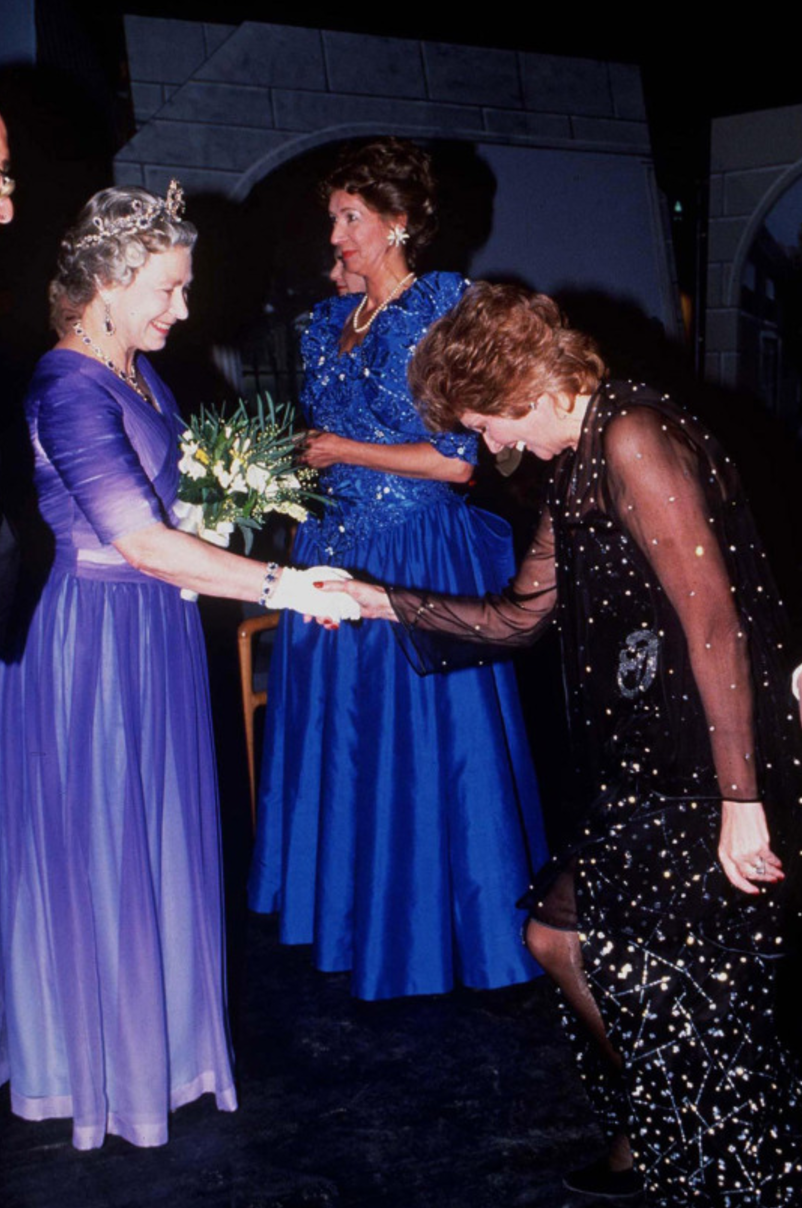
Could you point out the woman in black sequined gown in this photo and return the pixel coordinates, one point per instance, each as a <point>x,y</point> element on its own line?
<point>663,923</point>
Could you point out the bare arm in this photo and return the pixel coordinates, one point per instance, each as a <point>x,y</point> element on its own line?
<point>417,460</point>
<point>91,451</point>
<point>186,561</point>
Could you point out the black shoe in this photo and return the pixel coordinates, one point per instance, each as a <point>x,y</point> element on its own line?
<point>605,1184</point>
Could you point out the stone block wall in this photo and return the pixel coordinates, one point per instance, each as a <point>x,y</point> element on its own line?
<point>221,105</point>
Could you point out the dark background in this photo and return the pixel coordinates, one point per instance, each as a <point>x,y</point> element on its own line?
<point>468,1101</point>
<point>72,111</point>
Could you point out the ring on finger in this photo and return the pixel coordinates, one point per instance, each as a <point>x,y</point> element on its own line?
<point>758,867</point>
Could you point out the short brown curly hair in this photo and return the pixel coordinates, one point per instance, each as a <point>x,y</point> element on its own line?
<point>392,176</point>
<point>499,344</point>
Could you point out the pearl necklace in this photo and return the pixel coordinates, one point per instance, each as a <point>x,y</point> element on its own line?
<point>131,379</point>
<point>393,294</point>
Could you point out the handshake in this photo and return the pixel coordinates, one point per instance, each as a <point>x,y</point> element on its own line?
<point>296,589</point>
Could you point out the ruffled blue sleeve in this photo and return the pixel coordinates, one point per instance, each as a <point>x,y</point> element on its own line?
<point>364,394</point>
<point>398,334</point>
<point>81,431</point>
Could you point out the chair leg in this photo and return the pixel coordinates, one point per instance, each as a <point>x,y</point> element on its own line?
<point>251,701</point>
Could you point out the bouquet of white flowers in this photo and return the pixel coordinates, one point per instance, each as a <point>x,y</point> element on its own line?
<point>237,469</point>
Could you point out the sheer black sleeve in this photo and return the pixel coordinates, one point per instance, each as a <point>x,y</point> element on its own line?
<point>437,629</point>
<point>656,482</point>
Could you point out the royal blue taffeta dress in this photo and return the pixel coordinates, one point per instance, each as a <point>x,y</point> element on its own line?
<point>398,815</point>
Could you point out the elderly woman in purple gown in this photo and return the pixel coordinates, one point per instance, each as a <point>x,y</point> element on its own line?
<point>112,1001</point>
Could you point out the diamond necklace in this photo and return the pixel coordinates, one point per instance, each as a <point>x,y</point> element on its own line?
<point>131,379</point>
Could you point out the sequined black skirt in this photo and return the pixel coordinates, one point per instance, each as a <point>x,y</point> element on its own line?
<point>684,968</point>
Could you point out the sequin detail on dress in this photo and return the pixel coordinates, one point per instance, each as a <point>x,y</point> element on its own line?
<point>363,395</point>
<point>388,837</point>
<point>647,531</point>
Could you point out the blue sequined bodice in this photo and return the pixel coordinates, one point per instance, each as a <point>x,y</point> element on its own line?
<point>363,395</point>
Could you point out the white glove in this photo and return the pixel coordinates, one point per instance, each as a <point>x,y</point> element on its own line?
<point>295,590</point>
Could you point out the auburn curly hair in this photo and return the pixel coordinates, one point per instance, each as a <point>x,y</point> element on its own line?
<point>501,347</point>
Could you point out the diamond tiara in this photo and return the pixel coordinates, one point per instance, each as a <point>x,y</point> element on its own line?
<point>143,215</point>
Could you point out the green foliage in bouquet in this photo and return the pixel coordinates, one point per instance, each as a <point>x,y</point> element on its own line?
<point>237,469</point>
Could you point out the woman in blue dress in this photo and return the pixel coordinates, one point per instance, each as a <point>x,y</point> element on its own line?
<point>387,836</point>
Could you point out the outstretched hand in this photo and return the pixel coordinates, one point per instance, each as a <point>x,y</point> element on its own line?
<point>297,590</point>
<point>374,602</point>
<point>745,848</point>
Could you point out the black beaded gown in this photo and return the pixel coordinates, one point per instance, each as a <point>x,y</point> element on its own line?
<point>677,685</point>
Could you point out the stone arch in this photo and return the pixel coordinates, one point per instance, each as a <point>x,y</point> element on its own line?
<point>218,104</point>
<point>225,107</point>
<point>772,195</point>
<point>754,158</point>
<point>290,150</point>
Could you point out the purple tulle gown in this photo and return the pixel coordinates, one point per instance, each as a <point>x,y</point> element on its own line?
<point>112,1006</point>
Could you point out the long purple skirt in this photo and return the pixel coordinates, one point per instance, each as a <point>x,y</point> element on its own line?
<point>110,892</point>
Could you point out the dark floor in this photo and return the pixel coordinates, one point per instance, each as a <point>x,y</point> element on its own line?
<point>463,1101</point>
<point>468,1100</point>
